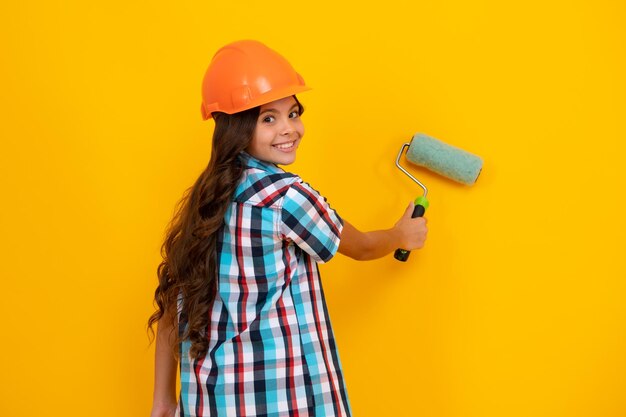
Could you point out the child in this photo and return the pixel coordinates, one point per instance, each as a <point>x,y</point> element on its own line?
<point>239,279</point>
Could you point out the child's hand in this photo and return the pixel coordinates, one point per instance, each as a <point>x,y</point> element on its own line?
<point>407,234</point>
<point>411,232</point>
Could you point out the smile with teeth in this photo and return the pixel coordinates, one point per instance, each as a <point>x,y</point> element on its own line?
<point>285,146</point>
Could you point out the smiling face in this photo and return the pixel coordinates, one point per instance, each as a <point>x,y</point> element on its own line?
<point>278,132</point>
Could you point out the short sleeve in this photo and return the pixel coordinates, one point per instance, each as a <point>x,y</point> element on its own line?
<point>309,221</point>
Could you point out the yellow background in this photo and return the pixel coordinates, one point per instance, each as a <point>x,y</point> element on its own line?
<point>515,307</point>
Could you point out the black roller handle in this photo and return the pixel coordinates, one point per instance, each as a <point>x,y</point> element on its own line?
<point>402,254</point>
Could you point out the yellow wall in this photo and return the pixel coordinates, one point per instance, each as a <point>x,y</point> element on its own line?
<point>515,307</point>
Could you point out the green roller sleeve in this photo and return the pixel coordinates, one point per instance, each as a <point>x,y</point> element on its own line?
<point>444,159</point>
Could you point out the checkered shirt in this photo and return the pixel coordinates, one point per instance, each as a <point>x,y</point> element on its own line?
<point>272,352</point>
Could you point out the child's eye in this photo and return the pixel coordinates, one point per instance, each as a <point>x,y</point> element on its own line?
<point>294,114</point>
<point>268,119</point>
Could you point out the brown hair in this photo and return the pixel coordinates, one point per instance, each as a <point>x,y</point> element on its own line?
<point>189,266</point>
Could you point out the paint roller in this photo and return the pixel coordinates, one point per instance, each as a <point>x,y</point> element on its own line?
<point>446,160</point>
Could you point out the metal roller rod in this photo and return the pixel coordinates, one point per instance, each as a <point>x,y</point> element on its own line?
<point>406,145</point>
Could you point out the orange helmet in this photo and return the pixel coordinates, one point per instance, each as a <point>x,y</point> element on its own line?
<point>246,74</point>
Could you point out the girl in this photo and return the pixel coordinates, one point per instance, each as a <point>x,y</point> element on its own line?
<point>239,290</point>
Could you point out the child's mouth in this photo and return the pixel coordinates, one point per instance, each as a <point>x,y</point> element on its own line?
<point>285,147</point>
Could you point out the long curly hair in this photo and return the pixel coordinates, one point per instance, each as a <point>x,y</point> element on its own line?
<point>189,267</point>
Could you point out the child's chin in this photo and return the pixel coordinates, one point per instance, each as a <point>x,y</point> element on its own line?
<point>286,159</point>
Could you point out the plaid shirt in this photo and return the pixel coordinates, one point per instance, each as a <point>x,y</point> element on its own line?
<point>272,351</point>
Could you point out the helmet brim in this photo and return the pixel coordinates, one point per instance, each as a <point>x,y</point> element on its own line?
<point>265,98</point>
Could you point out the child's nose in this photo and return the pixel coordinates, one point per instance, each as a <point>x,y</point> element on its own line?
<point>288,127</point>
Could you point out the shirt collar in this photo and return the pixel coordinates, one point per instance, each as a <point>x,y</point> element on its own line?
<point>252,162</point>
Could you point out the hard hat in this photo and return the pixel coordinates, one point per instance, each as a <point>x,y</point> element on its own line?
<point>246,74</point>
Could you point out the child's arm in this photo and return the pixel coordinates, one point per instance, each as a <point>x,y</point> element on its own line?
<point>407,234</point>
<point>165,367</point>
